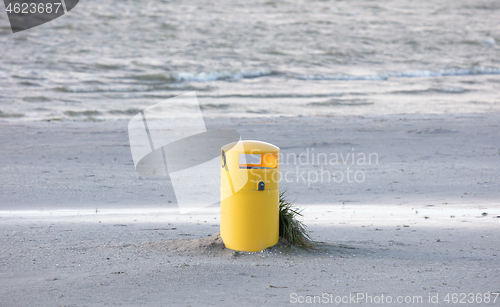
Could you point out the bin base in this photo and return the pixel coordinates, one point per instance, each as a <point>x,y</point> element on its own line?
<point>249,219</point>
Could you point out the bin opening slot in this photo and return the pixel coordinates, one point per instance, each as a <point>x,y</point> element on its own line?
<point>258,161</point>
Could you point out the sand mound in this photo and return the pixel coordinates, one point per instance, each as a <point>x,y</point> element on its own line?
<point>213,246</point>
<point>209,246</point>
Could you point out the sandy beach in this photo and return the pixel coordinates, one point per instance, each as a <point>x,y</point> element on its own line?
<point>386,114</point>
<point>79,227</point>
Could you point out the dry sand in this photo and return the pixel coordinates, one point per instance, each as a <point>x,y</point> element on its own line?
<point>78,227</point>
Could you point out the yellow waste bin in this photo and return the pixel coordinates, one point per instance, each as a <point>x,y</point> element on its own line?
<point>249,195</point>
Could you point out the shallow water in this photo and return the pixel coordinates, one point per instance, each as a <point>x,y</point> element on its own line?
<point>108,60</point>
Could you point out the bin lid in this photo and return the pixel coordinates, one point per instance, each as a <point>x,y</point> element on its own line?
<point>253,147</point>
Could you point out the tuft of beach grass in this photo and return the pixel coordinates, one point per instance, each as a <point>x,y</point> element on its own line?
<point>292,230</point>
